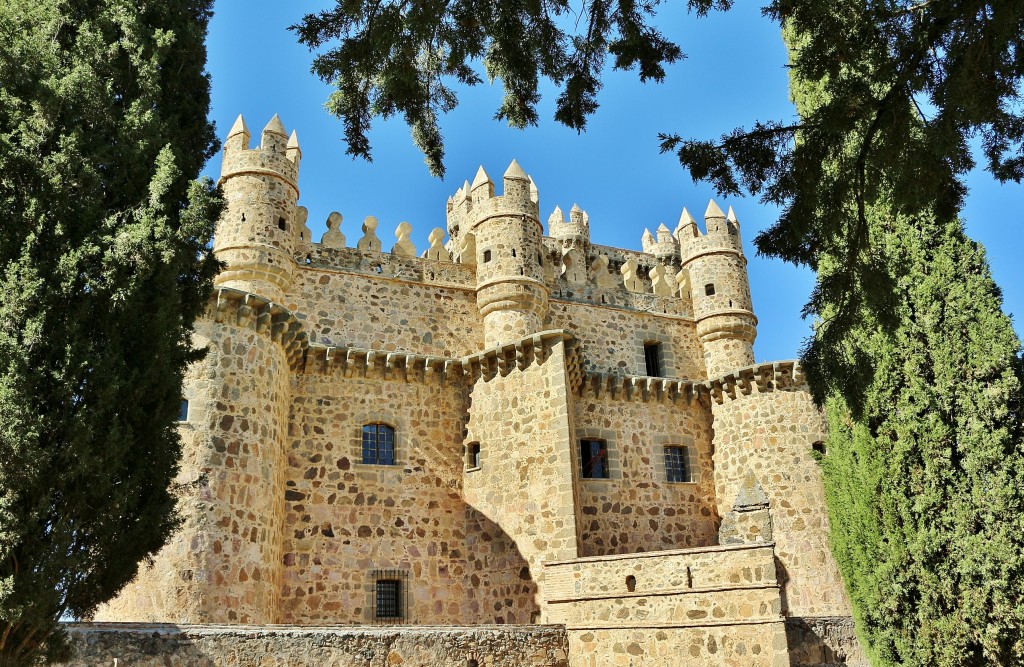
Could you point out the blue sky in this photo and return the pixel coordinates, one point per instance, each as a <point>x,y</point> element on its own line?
<point>734,74</point>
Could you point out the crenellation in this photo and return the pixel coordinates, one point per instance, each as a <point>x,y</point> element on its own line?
<point>511,428</point>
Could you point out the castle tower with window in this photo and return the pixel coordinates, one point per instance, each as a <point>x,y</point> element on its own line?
<point>507,429</point>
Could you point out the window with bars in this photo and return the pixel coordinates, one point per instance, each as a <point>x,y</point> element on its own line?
<point>389,599</point>
<point>593,459</point>
<point>378,444</point>
<point>677,465</point>
<point>652,359</point>
<point>390,595</point>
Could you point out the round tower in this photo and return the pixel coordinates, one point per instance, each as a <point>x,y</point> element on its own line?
<point>511,293</point>
<point>720,289</point>
<point>258,229</point>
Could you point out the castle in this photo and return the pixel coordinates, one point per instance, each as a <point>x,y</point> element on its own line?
<point>508,431</point>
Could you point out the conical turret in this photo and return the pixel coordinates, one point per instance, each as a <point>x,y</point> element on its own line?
<point>506,233</point>
<point>259,227</point>
<point>719,288</point>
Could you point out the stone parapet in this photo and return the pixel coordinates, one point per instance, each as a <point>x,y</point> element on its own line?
<point>709,606</point>
<point>158,645</point>
<point>243,309</point>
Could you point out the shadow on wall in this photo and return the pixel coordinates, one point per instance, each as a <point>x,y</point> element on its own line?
<point>824,642</point>
<point>500,587</point>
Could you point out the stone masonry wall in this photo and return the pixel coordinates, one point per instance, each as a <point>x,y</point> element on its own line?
<point>221,646</point>
<point>637,509</point>
<point>771,432</point>
<point>386,313</point>
<point>224,565</point>
<point>345,519</point>
<point>612,339</point>
<point>703,607</point>
<point>525,479</point>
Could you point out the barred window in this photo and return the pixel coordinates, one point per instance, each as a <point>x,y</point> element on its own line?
<point>677,465</point>
<point>378,444</point>
<point>389,598</point>
<point>593,459</point>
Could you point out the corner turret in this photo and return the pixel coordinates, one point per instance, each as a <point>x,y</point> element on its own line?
<point>720,289</point>
<point>258,229</point>
<point>506,234</point>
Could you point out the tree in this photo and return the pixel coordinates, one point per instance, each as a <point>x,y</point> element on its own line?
<point>106,265</point>
<point>924,475</point>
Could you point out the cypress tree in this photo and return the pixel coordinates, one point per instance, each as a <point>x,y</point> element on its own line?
<point>924,475</point>
<point>105,266</point>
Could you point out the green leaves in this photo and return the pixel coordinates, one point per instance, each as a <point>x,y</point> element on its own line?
<point>403,58</point>
<point>104,248</point>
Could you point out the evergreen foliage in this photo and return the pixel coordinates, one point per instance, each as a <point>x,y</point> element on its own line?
<point>105,266</point>
<point>924,476</point>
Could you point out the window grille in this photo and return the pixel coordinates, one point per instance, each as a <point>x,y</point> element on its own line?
<point>593,459</point>
<point>677,466</point>
<point>390,596</point>
<point>378,444</point>
<point>652,359</point>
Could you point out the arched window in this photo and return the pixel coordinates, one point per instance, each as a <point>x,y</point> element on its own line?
<point>378,444</point>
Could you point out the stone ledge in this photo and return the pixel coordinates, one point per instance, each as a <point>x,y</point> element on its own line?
<point>717,548</point>
<point>662,592</point>
<point>671,625</point>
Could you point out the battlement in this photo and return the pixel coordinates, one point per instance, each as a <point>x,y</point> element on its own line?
<point>722,234</point>
<point>278,154</point>
<point>574,232</point>
<point>475,203</point>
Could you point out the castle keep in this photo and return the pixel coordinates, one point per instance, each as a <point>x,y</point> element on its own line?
<point>505,428</point>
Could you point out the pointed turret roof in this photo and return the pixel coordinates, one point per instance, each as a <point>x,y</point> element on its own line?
<point>663,228</point>
<point>276,126</point>
<point>516,172</point>
<point>293,141</point>
<point>713,211</point>
<point>731,217</point>
<point>481,178</point>
<point>239,127</point>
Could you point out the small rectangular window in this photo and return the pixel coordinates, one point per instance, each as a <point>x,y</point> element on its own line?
<point>473,455</point>
<point>183,411</point>
<point>593,459</point>
<point>389,599</point>
<point>677,466</point>
<point>652,359</point>
<point>378,444</point>
<point>709,289</point>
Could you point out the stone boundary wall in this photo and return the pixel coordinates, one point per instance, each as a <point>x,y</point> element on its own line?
<point>157,645</point>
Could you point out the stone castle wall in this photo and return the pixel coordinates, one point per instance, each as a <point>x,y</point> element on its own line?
<point>215,646</point>
<point>637,509</point>
<point>769,428</point>
<point>229,568</point>
<point>525,480</point>
<point>700,607</point>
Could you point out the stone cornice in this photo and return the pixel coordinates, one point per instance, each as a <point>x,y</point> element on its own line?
<point>764,377</point>
<point>240,308</point>
<point>439,370</point>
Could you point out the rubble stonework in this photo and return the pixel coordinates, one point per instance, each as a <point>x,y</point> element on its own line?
<point>694,529</point>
